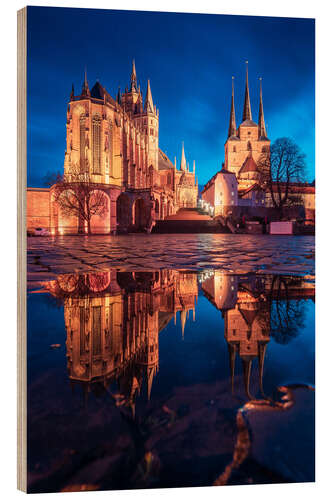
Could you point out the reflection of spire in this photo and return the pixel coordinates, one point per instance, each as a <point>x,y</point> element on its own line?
<point>247,363</point>
<point>183,320</point>
<point>262,351</point>
<point>150,377</point>
<point>232,359</point>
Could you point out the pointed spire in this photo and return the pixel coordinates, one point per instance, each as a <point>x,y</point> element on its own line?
<point>119,96</point>
<point>85,86</point>
<point>247,114</point>
<point>183,160</point>
<point>133,78</point>
<point>194,167</point>
<point>149,106</point>
<point>261,119</point>
<point>175,163</point>
<point>72,93</point>
<point>232,121</point>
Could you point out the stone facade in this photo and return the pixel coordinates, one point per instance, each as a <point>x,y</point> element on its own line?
<point>115,144</point>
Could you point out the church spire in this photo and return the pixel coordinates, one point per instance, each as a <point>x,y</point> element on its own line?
<point>149,106</point>
<point>72,93</point>
<point>183,160</point>
<point>85,87</point>
<point>261,119</point>
<point>232,122</point>
<point>133,78</point>
<point>247,114</point>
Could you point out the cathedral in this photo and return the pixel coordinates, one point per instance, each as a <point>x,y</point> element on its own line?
<point>113,143</point>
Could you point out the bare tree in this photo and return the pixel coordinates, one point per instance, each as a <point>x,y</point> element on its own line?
<point>279,168</point>
<point>77,196</point>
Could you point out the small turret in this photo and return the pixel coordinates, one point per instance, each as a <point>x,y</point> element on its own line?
<point>119,96</point>
<point>134,85</point>
<point>85,87</point>
<point>72,93</point>
<point>183,160</point>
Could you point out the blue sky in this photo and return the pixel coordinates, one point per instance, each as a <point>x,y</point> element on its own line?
<point>189,58</point>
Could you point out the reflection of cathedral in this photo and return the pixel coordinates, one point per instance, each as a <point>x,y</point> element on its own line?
<point>246,313</point>
<point>246,306</point>
<point>113,321</point>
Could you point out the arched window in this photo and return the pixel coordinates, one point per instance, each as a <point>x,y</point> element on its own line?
<point>249,147</point>
<point>234,149</point>
<point>96,144</point>
<point>82,141</point>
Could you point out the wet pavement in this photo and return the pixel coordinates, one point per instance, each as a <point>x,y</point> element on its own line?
<point>234,253</point>
<point>170,378</point>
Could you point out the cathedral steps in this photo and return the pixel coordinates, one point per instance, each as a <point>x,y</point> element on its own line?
<point>189,221</point>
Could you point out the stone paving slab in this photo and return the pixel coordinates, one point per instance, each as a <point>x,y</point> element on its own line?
<point>234,253</point>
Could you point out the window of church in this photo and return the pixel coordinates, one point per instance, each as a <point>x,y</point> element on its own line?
<point>96,144</point>
<point>234,149</point>
<point>249,147</point>
<point>82,141</point>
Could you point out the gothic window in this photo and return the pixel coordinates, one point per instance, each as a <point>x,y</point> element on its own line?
<point>234,149</point>
<point>96,144</point>
<point>249,147</point>
<point>151,131</point>
<point>82,141</point>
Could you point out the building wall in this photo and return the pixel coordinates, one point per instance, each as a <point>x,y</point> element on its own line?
<point>38,208</point>
<point>221,192</point>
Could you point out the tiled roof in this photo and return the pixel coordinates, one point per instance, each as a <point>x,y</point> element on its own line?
<point>248,166</point>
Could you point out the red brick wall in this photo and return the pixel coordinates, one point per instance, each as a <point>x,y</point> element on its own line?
<point>38,208</point>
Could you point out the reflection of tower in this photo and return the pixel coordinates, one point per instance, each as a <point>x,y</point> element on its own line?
<point>247,331</point>
<point>246,313</point>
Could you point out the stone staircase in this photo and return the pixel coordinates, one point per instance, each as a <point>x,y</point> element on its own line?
<point>189,220</point>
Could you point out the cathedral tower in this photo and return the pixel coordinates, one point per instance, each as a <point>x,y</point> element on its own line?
<point>245,145</point>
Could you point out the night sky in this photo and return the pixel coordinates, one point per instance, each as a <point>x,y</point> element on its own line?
<point>189,58</point>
